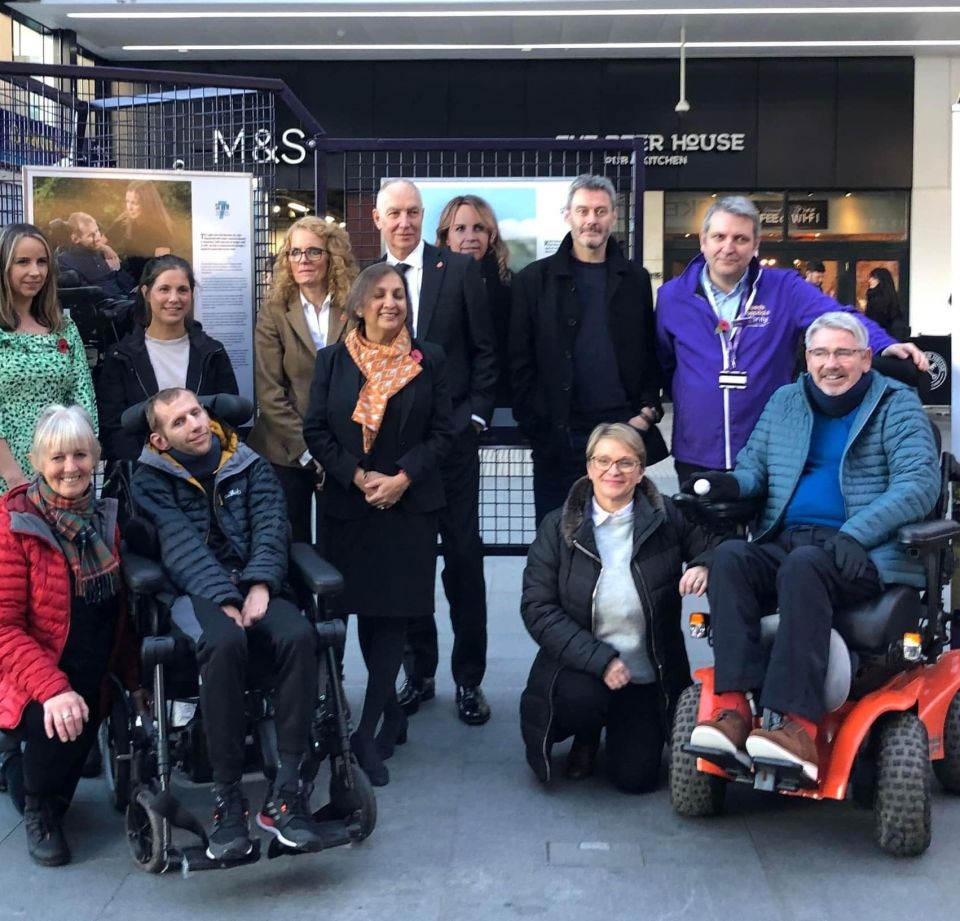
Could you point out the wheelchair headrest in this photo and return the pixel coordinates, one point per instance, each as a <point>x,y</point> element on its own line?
<point>228,407</point>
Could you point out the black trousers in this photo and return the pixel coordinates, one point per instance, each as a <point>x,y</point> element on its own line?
<point>299,488</point>
<point>51,768</point>
<point>223,650</point>
<point>794,572</point>
<point>462,575</point>
<point>554,474</point>
<point>584,705</point>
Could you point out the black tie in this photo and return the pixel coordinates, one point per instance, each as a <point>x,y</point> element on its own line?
<point>402,267</point>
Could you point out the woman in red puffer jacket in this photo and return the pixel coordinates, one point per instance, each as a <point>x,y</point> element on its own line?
<point>61,623</point>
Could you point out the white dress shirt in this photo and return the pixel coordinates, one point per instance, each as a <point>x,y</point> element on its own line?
<point>414,277</point>
<point>318,321</point>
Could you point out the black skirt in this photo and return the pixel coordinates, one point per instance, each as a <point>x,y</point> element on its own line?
<point>388,560</point>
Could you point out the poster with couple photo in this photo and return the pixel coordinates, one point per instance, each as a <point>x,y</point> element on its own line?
<point>135,215</point>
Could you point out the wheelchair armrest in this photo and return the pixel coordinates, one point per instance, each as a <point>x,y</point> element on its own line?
<point>316,574</point>
<point>700,510</point>
<point>142,576</point>
<point>928,536</point>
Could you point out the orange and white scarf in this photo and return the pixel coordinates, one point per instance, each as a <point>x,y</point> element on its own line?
<point>388,369</point>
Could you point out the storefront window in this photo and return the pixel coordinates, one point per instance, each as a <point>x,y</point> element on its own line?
<point>821,216</point>
<point>684,213</point>
<point>848,216</point>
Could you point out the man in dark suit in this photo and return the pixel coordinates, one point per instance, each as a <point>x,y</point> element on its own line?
<point>582,345</point>
<point>449,307</point>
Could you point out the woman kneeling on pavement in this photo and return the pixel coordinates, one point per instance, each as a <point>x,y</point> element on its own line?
<point>61,623</point>
<point>601,597</point>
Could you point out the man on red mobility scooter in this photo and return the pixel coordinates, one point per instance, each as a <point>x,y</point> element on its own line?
<point>844,458</point>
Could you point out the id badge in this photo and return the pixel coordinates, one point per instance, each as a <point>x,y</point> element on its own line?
<point>733,380</point>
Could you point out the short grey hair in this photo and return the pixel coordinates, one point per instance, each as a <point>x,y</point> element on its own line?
<point>738,205</point>
<point>392,182</point>
<point>627,435</point>
<point>63,428</point>
<point>592,184</point>
<point>838,319</point>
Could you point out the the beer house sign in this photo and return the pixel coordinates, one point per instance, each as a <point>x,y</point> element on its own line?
<point>669,149</point>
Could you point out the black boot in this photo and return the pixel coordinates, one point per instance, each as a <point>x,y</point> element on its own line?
<point>369,759</point>
<point>45,841</point>
<point>393,729</point>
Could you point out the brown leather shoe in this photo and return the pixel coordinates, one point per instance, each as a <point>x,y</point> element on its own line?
<point>726,730</point>
<point>788,742</point>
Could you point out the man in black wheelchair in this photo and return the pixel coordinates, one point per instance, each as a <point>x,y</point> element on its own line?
<point>90,257</point>
<point>221,527</point>
<point>841,460</point>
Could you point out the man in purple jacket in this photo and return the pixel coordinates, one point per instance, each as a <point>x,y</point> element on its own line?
<point>727,334</point>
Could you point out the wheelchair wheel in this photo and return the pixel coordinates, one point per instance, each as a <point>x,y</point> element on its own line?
<point>901,807</point>
<point>693,793</point>
<point>360,802</point>
<point>947,768</point>
<point>114,740</point>
<point>145,834</point>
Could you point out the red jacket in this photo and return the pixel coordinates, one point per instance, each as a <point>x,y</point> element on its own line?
<point>34,609</point>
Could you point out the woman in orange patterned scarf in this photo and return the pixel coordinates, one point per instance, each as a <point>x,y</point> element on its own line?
<point>379,424</point>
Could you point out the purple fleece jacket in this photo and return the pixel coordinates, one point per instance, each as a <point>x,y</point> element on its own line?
<point>711,425</point>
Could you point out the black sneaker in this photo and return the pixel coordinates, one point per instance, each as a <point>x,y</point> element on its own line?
<point>230,838</point>
<point>286,815</point>
<point>45,841</point>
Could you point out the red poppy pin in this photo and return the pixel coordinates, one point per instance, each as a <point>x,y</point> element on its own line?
<point>63,346</point>
<point>722,327</point>
<point>416,355</point>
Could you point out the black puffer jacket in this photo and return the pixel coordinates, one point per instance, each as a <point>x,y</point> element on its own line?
<point>563,567</point>
<point>250,509</point>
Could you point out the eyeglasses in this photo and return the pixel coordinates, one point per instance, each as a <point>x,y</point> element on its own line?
<point>311,254</point>
<point>838,354</point>
<point>624,465</point>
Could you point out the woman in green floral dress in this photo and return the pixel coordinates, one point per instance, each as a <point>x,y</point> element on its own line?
<point>42,359</point>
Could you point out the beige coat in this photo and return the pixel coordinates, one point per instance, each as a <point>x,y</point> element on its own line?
<point>285,356</point>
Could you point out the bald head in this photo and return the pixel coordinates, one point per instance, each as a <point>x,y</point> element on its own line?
<point>399,217</point>
<point>84,230</point>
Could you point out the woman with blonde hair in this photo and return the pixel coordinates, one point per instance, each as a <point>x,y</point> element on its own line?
<point>304,312</point>
<point>42,358</point>
<point>468,225</point>
<point>62,624</point>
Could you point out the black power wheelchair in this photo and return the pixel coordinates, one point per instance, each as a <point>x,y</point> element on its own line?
<point>143,749</point>
<point>101,320</point>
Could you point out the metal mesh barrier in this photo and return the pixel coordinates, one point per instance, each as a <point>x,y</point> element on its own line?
<point>140,120</point>
<point>350,172</point>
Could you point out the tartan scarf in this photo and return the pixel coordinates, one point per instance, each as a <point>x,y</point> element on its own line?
<point>96,571</point>
<point>388,368</point>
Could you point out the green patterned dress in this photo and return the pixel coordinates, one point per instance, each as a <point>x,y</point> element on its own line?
<point>35,371</point>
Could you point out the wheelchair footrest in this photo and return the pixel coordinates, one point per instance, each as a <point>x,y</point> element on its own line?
<point>762,773</point>
<point>333,833</point>
<point>777,774</point>
<point>195,858</point>
<point>738,764</point>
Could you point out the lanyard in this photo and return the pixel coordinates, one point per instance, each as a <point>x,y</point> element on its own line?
<point>730,340</point>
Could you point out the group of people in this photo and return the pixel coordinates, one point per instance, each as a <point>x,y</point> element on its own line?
<point>373,389</point>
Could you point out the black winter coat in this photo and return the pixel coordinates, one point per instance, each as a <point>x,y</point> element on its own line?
<point>250,509</point>
<point>544,323</point>
<point>563,567</point>
<point>126,378</point>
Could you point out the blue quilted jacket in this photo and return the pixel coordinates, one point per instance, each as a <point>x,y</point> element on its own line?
<point>889,471</point>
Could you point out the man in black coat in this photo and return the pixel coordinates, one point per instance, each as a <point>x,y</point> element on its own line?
<point>582,345</point>
<point>449,307</point>
<point>221,524</point>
